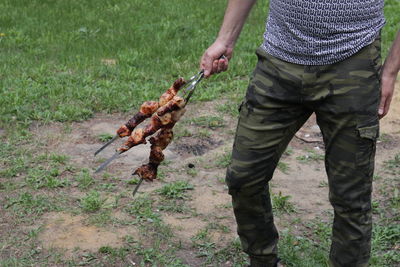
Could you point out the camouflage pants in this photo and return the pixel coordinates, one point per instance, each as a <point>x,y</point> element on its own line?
<point>280,98</point>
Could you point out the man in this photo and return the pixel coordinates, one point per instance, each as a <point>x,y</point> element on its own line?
<point>317,56</point>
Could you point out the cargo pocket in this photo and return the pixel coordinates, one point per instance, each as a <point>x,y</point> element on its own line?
<point>366,148</point>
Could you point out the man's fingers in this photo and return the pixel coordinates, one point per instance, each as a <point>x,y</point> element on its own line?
<point>206,64</point>
<point>214,66</point>
<point>222,64</point>
<point>384,105</point>
<point>214,61</point>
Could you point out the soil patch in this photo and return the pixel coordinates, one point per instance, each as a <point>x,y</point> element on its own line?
<point>184,227</point>
<point>195,146</point>
<point>208,201</point>
<point>68,232</point>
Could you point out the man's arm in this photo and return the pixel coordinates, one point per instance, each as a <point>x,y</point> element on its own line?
<point>390,70</point>
<point>235,16</point>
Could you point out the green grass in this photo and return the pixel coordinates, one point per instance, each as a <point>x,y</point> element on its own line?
<point>104,137</point>
<point>223,160</point>
<point>392,9</point>
<point>231,107</point>
<point>207,121</point>
<point>176,190</point>
<point>281,203</point>
<point>27,204</point>
<point>283,167</point>
<point>311,156</point>
<point>53,54</point>
<point>217,256</point>
<point>91,202</point>
<point>392,166</point>
<point>84,179</point>
<point>142,208</point>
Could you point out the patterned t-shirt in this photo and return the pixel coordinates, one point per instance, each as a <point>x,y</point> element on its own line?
<point>319,32</point>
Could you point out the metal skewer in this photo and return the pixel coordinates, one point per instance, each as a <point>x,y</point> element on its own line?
<point>137,187</point>
<point>106,144</point>
<point>102,166</point>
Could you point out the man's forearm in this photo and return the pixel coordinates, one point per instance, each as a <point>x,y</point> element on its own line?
<point>389,74</point>
<point>234,19</point>
<point>392,62</point>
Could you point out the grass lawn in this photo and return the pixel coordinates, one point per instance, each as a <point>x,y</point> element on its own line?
<point>67,61</point>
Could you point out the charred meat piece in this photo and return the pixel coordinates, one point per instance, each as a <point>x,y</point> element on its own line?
<point>149,107</point>
<point>137,137</point>
<point>154,125</point>
<point>146,110</point>
<point>167,121</point>
<point>171,92</point>
<point>147,172</point>
<point>175,103</point>
<point>158,144</point>
<point>162,139</point>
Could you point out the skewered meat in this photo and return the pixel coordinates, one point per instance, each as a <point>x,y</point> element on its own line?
<point>149,107</point>
<point>146,110</point>
<point>158,144</point>
<point>175,103</point>
<point>147,172</point>
<point>171,92</point>
<point>162,139</point>
<point>167,121</point>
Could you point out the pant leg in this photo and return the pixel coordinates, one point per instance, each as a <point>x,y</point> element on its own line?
<point>265,127</point>
<point>349,122</point>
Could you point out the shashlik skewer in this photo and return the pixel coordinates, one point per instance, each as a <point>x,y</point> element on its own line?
<point>171,114</point>
<point>165,117</point>
<point>145,111</point>
<point>175,114</point>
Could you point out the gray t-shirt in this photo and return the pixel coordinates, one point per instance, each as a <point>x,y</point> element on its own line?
<point>319,32</point>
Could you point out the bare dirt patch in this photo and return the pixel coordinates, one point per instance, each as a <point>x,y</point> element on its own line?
<point>184,227</point>
<point>195,146</point>
<point>208,201</point>
<point>68,232</point>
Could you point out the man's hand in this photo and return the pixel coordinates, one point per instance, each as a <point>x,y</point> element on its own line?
<point>387,89</point>
<point>216,58</point>
<point>236,13</point>
<point>389,74</point>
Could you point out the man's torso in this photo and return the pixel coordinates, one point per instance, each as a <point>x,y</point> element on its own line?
<point>319,32</point>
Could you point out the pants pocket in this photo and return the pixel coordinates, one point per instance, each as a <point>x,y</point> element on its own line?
<point>366,148</point>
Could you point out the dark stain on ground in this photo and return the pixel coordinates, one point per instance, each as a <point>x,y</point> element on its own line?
<point>194,146</point>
